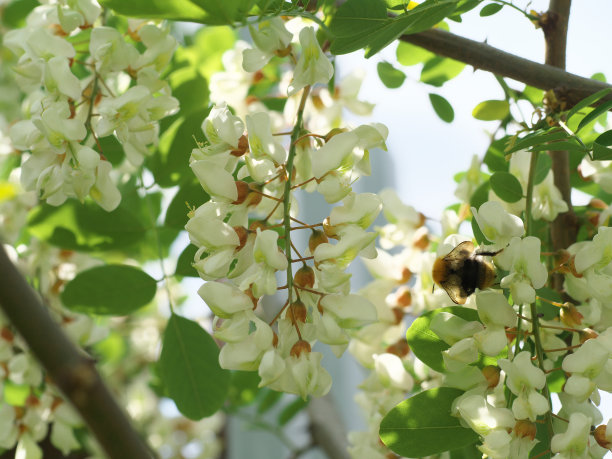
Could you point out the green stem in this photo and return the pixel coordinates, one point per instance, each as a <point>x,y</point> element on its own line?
<point>531,17</point>
<point>535,321</point>
<point>529,196</point>
<point>297,129</point>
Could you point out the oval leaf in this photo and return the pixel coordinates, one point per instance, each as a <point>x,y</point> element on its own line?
<point>109,290</point>
<point>491,9</point>
<point>190,371</point>
<point>601,150</point>
<point>390,76</point>
<point>506,186</point>
<point>423,425</point>
<point>442,107</point>
<point>491,110</point>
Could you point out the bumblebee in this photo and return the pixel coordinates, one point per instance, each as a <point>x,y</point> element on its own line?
<point>463,270</point>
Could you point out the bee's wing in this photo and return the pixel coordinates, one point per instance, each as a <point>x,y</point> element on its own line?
<point>455,261</point>
<point>452,286</point>
<point>456,258</point>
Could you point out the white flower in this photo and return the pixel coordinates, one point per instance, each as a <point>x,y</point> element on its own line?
<point>350,311</point>
<point>547,200</point>
<point>269,36</point>
<point>527,272</point>
<point>482,417</point>
<point>224,299</point>
<point>460,354</point>
<point>497,225</point>
<point>523,378</point>
<point>471,181</point>
<point>110,52</point>
<point>574,442</point>
<point>391,372</point>
<point>58,78</point>
<point>313,66</point>
<point>360,209</point>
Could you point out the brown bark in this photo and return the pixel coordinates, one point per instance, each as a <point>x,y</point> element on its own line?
<point>567,86</point>
<point>68,367</point>
<point>564,229</point>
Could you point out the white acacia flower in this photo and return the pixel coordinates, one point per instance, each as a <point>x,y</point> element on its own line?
<point>350,311</point>
<point>452,329</point>
<point>547,200</point>
<point>360,209</point>
<point>246,354</point>
<point>497,225</point>
<point>312,66</point>
<point>460,354</point>
<point>482,417</point>
<point>391,372</point>
<point>523,379</point>
<point>224,299</point>
<point>304,376</point>
<point>471,181</point>
<point>268,36</point>
<point>527,272</point>
<point>574,442</point>
<point>110,51</point>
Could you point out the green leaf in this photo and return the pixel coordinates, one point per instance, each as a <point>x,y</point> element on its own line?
<point>596,113</point>
<point>480,238</point>
<point>588,101</point>
<point>14,13</point>
<point>480,195</point>
<point>116,290</point>
<point>467,452</point>
<point>408,54</point>
<point>390,76</point>
<point>113,151</point>
<point>537,138</point>
<point>291,410</point>
<point>365,24</point>
<point>491,110</point>
<point>562,145</point>
<point>442,107</point>
<point>184,265</point>
<point>423,425</point>
<point>189,195</point>
<point>495,157</point>
<point>428,346</point>
<point>189,369</point>
<point>542,449</point>
<point>601,152</point>
<point>170,164</point>
<point>210,12</point>
<point>491,9</point>
<point>542,168</point>
<point>439,70</point>
<point>506,186</point>
<point>85,227</point>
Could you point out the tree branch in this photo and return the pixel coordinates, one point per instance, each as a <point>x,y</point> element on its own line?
<point>567,86</point>
<point>67,366</point>
<point>564,229</point>
<point>326,428</point>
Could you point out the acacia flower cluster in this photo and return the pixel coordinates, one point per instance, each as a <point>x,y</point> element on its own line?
<point>118,91</point>
<point>245,233</point>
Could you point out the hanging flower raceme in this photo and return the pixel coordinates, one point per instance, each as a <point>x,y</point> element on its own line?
<point>252,177</point>
<point>68,115</point>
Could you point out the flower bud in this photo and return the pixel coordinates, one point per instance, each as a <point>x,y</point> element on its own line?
<point>570,316</point>
<point>296,312</point>
<point>406,275</point>
<point>600,436</point>
<point>300,347</point>
<point>304,277</point>
<point>316,238</point>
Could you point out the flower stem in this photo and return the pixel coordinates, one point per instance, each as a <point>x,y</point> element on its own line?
<point>297,129</point>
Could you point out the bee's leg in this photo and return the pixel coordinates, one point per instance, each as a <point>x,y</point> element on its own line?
<point>488,254</point>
